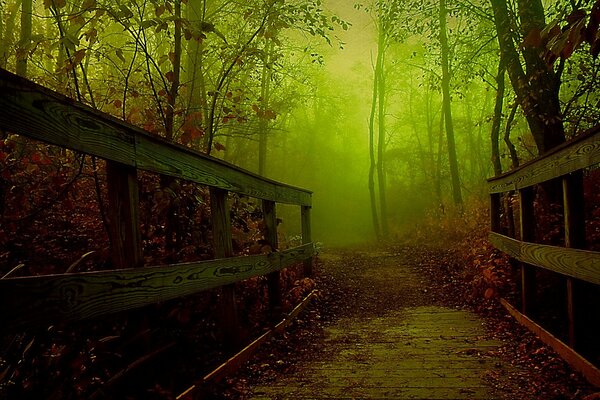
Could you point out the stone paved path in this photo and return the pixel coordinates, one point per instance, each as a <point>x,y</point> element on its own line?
<point>393,344</point>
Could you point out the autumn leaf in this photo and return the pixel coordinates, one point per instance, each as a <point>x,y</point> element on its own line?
<point>56,4</point>
<point>78,56</point>
<point>219,147</point>
<point>88,4</point>
<point>170,76</point>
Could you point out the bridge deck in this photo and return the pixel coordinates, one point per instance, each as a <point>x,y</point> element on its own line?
<point>391,343</point>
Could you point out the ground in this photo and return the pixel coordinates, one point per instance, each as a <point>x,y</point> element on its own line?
<point>392,323</point>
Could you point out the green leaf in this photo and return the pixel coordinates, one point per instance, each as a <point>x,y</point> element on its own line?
<point>125,11</point>
<point>148,23</point>
<point>119,53</point>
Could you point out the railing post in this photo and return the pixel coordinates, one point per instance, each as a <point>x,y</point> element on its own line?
<point>527,232</point>
<point>495,205</point>
<point>574,238</point>
<point>221,225</point>
<point>123,214</point>
<point>270,221</point>
<point>306,238</point>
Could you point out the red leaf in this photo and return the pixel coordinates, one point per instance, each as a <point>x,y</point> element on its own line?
<point>218,146</point>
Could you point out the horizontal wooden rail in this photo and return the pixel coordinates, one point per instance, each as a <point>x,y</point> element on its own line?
<point>31,110</point>
<point>580,264</point>
<point>37,300</point>
<point>581,152</point>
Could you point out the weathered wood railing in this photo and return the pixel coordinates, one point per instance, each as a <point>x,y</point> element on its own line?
<point>565,163</point>
<point>33,111</point>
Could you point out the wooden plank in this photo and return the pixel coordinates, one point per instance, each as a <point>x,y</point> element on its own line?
<point>579,153</point>
<point>123,212</point>
<point>580,264</point>
<point>306,237</point>
<point>44,299</point>
<point>270,235</point>
<point>31,110</point>
<point>587,369</point>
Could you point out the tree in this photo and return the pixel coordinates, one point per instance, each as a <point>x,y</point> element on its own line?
<point>456,190</point>
<point>536,86</point>
<point>386,13</point>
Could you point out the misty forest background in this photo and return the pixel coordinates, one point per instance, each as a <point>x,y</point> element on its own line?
<point>392,112</point>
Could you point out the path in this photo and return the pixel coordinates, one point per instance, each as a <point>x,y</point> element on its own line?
<point>391,343</point>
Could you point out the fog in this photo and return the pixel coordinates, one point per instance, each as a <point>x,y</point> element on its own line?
<point>383,109</point>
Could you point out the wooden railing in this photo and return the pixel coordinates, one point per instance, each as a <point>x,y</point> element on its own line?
<point>565,163</point>
<point>36,112</point>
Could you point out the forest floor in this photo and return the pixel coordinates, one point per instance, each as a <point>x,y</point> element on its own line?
<point>362,335</point>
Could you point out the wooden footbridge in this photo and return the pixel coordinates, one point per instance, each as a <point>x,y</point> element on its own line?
<point>402,348</point>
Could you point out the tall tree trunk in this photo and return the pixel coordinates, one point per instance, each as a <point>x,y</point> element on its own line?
<point>195,74</point>
<point>537,87</point>
<point>174,89</point>
<point>7,38</point>
<point>263,125</point>
<point>25,40</point>
<point>496,122</point>
<point>380,76</point>
<point>372,193</point>
<point>173,240</point>
<point>438,167</point>
<point>456,189</point>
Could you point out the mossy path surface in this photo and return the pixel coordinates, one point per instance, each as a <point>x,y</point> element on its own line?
<point>390,341</point>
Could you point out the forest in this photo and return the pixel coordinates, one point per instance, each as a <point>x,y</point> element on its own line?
<point>390,115</point>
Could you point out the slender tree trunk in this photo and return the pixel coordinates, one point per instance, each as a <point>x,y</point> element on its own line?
<point>25,40</point>
<point>381,137</point>
<point>172,224</point>
<point>438,168</point>
<point>497,121</point>
<point>456,189</point>
<point>514,157</point>
<point>372,193</point>
<point>263,125</point>
<point>195,74</point>
<point>7,38</point>
<point>174,90</point>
